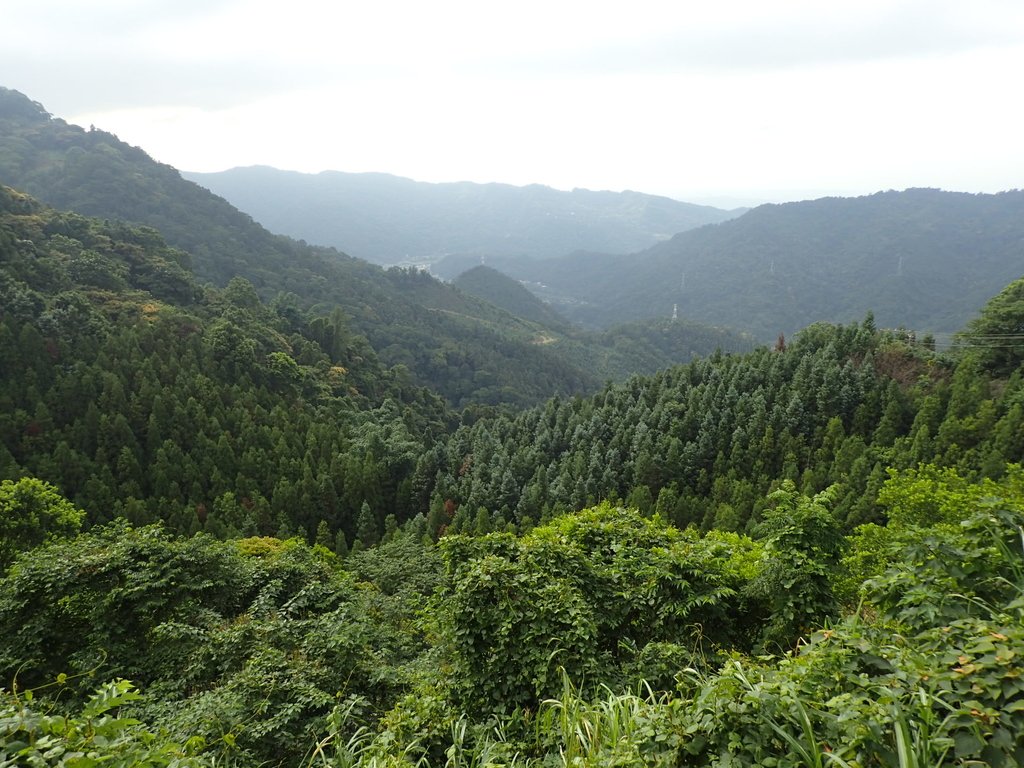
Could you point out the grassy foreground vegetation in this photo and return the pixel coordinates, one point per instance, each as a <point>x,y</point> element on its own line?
<point>600,638</point>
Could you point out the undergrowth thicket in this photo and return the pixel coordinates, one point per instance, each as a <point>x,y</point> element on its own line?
<point>602,638</point>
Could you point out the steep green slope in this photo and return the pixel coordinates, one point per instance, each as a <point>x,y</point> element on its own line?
<point>464,348</point>
<point>143,395</point>
<point>389,220</point>
<point>922,259</point>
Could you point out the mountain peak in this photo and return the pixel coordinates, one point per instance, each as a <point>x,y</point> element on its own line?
<point>15,104</point>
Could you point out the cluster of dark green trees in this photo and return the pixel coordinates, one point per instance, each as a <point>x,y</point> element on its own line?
<point>143,396</point>
<point>704,444</point>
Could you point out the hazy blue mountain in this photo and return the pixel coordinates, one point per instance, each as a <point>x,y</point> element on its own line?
<point>391,220</point>
<point>923,259</point>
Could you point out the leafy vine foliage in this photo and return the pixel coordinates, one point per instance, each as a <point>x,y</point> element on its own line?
<point>251,641</point>
<point>94,736</point>
<point>598,595</point>
<point>255,649</point>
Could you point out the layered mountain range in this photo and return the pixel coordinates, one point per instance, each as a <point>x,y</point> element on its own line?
<point>923,259</point>
<point>389,220</point>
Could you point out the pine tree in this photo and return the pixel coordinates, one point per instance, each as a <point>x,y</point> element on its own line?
<point>341,544</point>
<point>436,518</point>
<point>482,522</point>
<point>390,527</point>
<point>323,535</point>
<point>367,531</point>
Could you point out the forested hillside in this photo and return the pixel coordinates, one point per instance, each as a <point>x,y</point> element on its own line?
<point>509,294</point>
<point>441,336</point>
<point>132,388</point>
<point>464,348</point>
<point>922,259</point>
<point>705,444</point>
<point>390,220</point>
<point>142,395</point>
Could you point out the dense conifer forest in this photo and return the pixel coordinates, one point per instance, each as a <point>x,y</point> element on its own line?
<point>233,531</point>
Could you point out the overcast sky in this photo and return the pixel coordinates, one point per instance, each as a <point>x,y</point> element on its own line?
<point>713,101</point>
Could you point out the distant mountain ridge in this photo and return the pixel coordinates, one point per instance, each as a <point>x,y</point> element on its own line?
<point>390,220</point>
<point>923,259</point>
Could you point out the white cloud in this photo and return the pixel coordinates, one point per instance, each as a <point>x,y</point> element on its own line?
<point>657,96</point>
